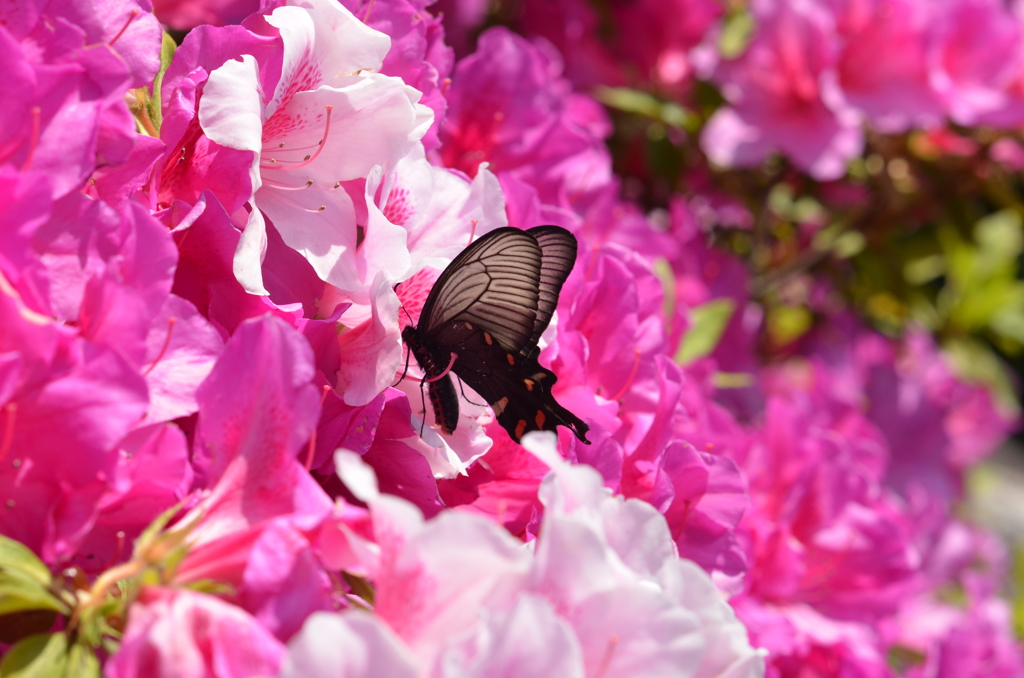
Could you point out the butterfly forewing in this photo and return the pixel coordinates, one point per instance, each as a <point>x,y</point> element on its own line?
<point>494,284</point>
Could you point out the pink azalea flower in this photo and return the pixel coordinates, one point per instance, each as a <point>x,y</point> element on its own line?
<point>419,54</point>
<point>622,604</point>
<point>183,15</point>
<point>78,120</point>
<point>783,95</point>
<point>883,64</point>
<point>257,526</point>
<point>974,60</point>
<point>508,106</point>
<point>671,30</point>
<point>328,118</point>
<point>354,644</point>
<point>574,28</point>
<point>192,635</point>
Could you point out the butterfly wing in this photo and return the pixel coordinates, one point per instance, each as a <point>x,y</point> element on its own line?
<point>489,307</point>
<point>558,255</point>
<point>494,284</point>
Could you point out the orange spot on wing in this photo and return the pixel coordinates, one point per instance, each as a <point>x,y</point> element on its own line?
<point>529,384</point>
<point>511,360</point>
<point>488,338</point>
<point>540,418</point>
<point>520,428</point>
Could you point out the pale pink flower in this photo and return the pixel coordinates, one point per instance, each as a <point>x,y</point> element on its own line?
<point>183,634</point>
<point>330,118</point>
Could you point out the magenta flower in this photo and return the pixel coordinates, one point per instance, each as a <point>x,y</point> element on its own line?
<point>509,107</point>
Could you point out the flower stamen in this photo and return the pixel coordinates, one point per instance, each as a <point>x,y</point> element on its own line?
<point>131,18</point>
<point>163,349</point>
<point>632,375</point>
<point>312,436</point>
<point>309,158</point>
<point>33,141</point>
<point>609,651</point>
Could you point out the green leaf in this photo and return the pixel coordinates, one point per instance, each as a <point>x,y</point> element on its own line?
<point>24,580</point>
<point>41,656</point>
<point>787,323</point>
<point>155,102</point>
<point>19,593</point>
<point>709,322</point>
<point>732,379</point>
<point>736,33</point>
<point>15,556</point>
<point>82,663</point>
<point>634,101</point>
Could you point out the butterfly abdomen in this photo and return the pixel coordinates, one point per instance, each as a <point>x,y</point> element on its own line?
<point>441,390</point>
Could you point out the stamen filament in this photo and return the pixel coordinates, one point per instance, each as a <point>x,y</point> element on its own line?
<point>124,28</point>
<point>606,660</point>
<point>33,140</point>
<point>632,375</point>
<point>163,349</point>
<point>312,436</point>
<point>12,410</point>
<point>320,147</point>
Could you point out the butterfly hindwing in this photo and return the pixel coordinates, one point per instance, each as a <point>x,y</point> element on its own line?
<point>558,254</point>
<point>517,388</point>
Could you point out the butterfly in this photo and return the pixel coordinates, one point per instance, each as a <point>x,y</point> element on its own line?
<point>482,320</point>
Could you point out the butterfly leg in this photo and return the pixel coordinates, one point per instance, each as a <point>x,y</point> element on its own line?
<point>405,371</point>
<point>423,404</point>
<point>463,392</point>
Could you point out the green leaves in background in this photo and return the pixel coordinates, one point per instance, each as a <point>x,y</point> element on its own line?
<point>708,322</point>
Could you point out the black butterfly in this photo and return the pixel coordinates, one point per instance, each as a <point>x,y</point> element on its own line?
<point>484,317</point>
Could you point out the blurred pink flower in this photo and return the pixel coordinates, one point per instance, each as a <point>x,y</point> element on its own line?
<point>784,95</point>
<point>883,64</point>
<point>508,106</point>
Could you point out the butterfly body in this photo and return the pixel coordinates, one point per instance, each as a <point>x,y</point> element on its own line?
<point>484,317</point>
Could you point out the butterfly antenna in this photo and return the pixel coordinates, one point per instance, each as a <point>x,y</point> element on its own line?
<point>463,392</point>
<point>411,321</point>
